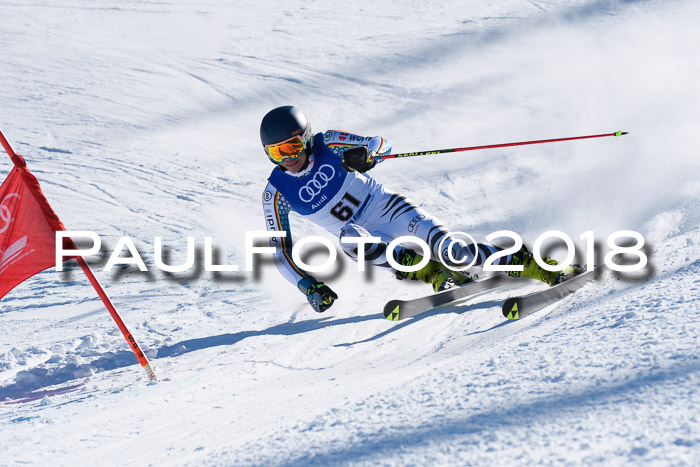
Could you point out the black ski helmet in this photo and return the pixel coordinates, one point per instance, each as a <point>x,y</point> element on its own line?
<point>283,123</point>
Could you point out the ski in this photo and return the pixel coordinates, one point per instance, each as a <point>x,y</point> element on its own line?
<point>519,307</point>
<point>396,310</point>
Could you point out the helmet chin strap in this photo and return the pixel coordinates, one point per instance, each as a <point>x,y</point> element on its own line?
<point>308,151</point>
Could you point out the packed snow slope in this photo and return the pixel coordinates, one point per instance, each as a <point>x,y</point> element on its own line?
<point>140,119</point>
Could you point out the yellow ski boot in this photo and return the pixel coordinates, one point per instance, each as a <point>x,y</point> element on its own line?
<point>532,270</point>
<point>434,273</point>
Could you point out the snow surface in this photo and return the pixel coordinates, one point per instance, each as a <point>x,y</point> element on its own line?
<point>140,119</point>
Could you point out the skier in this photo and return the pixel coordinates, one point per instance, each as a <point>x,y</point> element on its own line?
<point>323,177</point>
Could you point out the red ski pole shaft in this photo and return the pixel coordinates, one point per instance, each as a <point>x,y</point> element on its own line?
<point>501,145</point>
<point>143,360</point>
<point>16,159</point>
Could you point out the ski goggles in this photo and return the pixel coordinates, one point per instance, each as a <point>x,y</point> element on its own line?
<point>288,149</point>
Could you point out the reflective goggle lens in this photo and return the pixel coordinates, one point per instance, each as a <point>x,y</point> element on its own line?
<point>291,148</point>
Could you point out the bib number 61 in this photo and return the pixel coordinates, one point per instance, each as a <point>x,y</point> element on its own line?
<point>345,209</point>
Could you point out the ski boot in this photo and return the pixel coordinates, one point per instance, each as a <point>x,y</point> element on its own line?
<point>532,270</point>
<point>434,273</point>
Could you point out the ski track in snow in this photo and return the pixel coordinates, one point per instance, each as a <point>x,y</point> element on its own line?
<point>141,120</point>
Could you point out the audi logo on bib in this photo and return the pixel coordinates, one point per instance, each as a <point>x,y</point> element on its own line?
<point>314,186</point>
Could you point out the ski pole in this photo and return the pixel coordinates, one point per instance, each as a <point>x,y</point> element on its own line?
<point>491,146</point>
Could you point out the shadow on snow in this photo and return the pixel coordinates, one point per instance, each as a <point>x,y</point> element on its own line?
<point>455,430</point>
<point>36,383</point>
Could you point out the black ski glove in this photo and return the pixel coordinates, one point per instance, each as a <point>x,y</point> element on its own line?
<point>319,295</point>
<point>359,159</point>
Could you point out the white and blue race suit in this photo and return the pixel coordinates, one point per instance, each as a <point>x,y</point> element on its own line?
<point>348,204</point>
